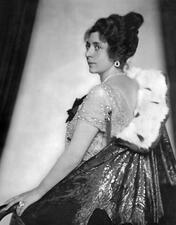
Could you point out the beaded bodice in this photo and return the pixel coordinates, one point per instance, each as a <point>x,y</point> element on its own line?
<point>94,109</point>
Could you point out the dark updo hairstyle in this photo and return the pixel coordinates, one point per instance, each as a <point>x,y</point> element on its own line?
<point>121,34</point>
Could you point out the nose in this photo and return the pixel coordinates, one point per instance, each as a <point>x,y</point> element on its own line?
<point>89,52</point>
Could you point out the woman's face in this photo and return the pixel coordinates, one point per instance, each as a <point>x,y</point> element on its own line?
<point>96,54</point>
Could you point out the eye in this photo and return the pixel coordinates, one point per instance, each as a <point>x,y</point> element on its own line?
<point>97,47</point>
<point>87,45</point>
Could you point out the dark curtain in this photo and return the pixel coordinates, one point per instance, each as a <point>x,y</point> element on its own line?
<point>168,27</point>
<point>16,23</point>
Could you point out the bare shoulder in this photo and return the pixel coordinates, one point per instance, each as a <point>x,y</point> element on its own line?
<point>124,83</point>
<point>128,87</point>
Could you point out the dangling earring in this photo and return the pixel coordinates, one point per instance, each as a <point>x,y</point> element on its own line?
<point>117,64</point>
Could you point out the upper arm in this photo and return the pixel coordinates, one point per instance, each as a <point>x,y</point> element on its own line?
<point>82,138</point>
<point>91,119</point>
<point>95,108</point>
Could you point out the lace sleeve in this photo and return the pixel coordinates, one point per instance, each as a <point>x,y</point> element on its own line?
<point>95,108</point>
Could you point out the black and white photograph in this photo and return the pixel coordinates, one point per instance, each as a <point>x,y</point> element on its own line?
<point>87,112</point>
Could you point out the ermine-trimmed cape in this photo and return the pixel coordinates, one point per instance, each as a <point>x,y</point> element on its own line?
<point>151,109</point>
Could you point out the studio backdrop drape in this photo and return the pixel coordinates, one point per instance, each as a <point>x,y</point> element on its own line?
<point>168,25</point>
<point>16,23</point>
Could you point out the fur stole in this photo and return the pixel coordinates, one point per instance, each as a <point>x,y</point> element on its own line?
<point>151,109</point>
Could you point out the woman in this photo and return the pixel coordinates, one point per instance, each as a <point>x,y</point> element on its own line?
<point>116,145</point>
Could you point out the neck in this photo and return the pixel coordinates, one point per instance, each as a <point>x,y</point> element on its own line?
<point>109,73</point>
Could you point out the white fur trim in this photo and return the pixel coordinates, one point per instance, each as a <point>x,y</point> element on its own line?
<point>151,107</point>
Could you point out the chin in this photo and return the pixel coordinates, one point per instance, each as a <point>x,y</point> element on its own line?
<point>91,70</point>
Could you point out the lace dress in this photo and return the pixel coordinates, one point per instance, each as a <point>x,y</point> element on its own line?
<point>113,177</point>
<point>95,109</point>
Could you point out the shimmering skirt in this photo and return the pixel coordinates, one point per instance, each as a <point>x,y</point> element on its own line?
<point>118,186</point>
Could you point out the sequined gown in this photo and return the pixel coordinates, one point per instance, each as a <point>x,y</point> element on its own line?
<point>122,183</point>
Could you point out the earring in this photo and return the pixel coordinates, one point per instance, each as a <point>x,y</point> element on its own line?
<point>117,64</point>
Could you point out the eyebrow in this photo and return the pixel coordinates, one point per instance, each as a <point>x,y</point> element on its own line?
<point>95,42</point>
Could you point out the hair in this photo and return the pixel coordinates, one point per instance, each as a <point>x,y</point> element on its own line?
<point>121,34</point>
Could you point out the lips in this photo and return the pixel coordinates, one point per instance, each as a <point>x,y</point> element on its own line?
<point>91,63</point>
